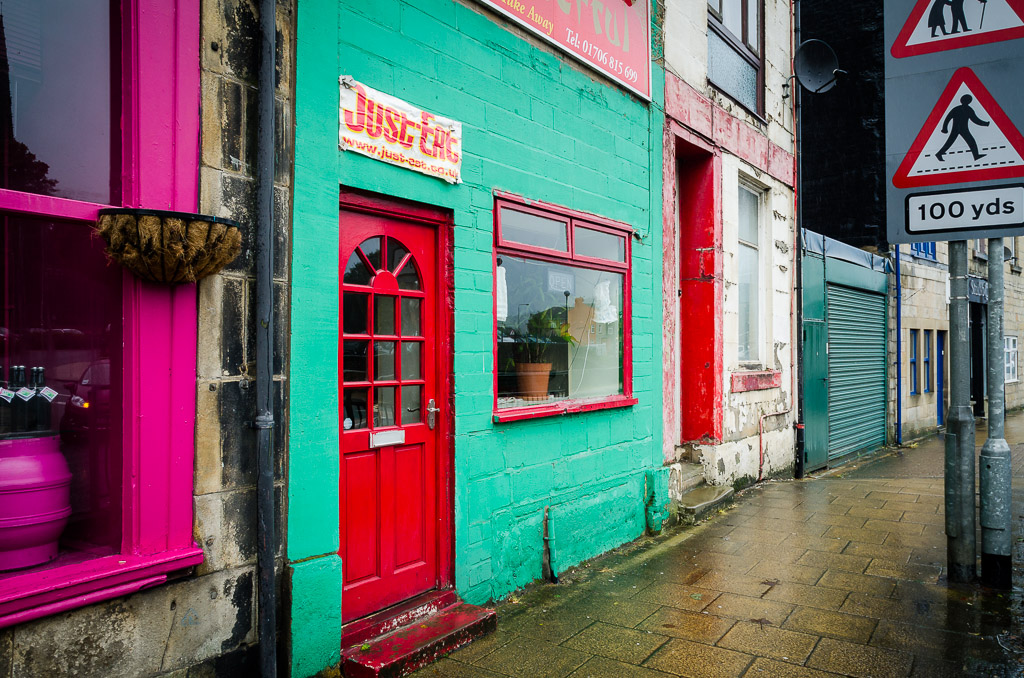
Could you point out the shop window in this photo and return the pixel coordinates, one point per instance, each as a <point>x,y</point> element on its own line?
<point>1010,359</point>
<point>97,369</point>
<point>923,250</point>
<point>749,273</point>
<point>926,361</point>
<point>62,322</point>
<point>562,311</point>
<point>913,363</point>
<point>735,50</point>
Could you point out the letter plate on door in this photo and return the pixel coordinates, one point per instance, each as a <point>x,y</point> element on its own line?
<point>385,438</point>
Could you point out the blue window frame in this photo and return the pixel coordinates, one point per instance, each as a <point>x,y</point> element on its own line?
<point>924,250</point>
<point>913,362</point>
<point>927,360</point>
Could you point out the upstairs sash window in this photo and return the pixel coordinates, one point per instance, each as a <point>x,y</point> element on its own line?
<point>735,50</point>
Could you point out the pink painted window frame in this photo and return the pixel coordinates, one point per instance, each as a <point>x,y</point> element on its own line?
<point>572,219</point>
<point>159,148</point>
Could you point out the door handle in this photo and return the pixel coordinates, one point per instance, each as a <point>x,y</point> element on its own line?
<point>432,411</point>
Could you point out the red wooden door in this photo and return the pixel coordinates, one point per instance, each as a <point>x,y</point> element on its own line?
<point>390,472</point>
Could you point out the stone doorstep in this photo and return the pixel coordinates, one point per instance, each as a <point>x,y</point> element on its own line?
<point>698,503</point>
<point>397,616</point>
<point>419,642</point>
<point>685,476</point>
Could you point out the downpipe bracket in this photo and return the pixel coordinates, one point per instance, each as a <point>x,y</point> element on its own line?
<point>263,420</point>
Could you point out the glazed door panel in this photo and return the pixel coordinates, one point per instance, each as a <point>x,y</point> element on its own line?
<point>390,472</point>
<point>940,377</point>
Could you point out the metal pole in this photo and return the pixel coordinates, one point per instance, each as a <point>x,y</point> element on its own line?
<point>899,350</point>
<point>264,423</point>
<point>801,452</point>
<point>995,453</point>
<point>961,546</point>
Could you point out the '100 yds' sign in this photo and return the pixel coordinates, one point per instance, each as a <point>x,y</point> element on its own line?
<point>611,36</point>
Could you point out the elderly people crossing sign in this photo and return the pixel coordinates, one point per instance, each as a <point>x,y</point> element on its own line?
<point>954,110</point>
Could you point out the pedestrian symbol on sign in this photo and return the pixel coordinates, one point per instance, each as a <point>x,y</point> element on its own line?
<point>940,25</point>
<point>967,137</point>
<point>961,117</point>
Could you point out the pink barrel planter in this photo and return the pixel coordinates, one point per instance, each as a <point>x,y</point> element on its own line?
<point>35,501</point>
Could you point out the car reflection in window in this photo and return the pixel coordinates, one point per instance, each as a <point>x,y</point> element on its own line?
<point>87,415</point>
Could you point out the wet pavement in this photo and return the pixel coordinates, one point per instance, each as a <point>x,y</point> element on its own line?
<point>841,574</point>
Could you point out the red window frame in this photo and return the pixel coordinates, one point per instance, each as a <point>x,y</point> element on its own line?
<point>571,219</point>
<point>157,86</point>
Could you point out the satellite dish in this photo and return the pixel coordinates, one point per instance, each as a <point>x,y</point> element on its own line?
<point>816,66</point>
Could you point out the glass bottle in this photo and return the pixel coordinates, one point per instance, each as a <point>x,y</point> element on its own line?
<point>5,408</point>
<point>42,403</point>
<point>19,413</point>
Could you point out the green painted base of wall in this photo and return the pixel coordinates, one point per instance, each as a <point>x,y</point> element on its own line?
<point>314,620</point>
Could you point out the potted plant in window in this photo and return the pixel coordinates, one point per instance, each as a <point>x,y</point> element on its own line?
<point>533,363</point>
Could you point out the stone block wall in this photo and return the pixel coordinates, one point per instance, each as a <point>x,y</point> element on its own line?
<point>926,306</point>
<point>226,463</point>
<point>1013,322</point>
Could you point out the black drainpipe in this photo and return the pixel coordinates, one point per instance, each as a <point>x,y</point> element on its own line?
<point>799,469</point>
<point>264,423</point>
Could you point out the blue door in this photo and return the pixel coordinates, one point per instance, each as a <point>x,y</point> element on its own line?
<point>940,373</point>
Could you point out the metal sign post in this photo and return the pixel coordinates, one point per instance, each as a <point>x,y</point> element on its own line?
<point>961,547</point>
<point>996,539</point>
<point>954,112</point>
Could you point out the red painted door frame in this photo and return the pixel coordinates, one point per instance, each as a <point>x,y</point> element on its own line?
<point>693,270</point>
<point>440,222</point>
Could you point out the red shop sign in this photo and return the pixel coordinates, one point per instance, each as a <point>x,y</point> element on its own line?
<point>612,36</point>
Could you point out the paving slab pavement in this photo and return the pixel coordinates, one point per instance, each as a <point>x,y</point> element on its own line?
<point>842,574</point>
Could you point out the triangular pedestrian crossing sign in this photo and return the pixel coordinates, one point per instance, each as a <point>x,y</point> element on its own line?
<point>939,25</point>
<point>966,138</point>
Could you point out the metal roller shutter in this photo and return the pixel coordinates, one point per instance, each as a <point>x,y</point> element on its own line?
<point>856,370</point>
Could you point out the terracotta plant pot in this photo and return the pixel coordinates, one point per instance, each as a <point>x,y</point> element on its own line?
<point>169,247</point>
<point>533,380</point>
<point>35,501</point>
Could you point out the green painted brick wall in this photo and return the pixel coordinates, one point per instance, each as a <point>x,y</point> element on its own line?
<point>535,123</point>
<point>315,612</point>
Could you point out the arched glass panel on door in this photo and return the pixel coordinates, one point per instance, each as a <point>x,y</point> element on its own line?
<point>382,342</point>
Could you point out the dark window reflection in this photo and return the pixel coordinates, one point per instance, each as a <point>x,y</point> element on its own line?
<point>56,115</point>
<point>60,338</point>
<point>355,409</point>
